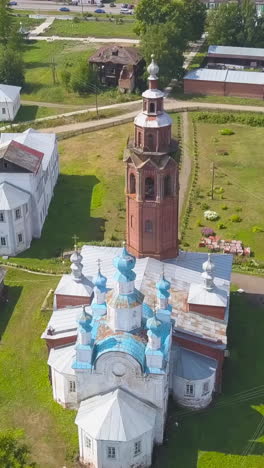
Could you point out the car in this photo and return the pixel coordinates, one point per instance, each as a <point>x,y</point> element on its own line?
<point>124,5</point>
<point>64,8</point>
<point>99,10</point>
<point>12,3</point>
<point>112,5</point>
<point>126,11</point>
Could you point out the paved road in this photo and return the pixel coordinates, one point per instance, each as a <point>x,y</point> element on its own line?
<point>105,40</point>
<point>55,6</point>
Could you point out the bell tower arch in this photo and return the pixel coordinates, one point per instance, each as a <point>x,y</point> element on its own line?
<point>152,187</point>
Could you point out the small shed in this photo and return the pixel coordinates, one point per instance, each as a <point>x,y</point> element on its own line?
<point>242,56</point>
<point>118,65</point>
<point>9,102</point>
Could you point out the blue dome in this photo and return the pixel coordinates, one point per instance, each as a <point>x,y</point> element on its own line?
<point>153,324</point>
<point>125,264</point>
<point>100,281</point>
<point>147,311</point>
<point>163,287</point>
<point>85,320</point>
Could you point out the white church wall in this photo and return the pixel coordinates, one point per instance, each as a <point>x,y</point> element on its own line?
<point>193,393</point>
<point>124,319</point>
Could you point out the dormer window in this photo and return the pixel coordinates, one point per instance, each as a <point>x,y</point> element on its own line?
<point>115,52</point>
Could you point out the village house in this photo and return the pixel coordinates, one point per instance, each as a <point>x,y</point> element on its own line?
<point>9,102</point>
<point>118,66</point>
<point>139,330</point>
<point>29,168</point>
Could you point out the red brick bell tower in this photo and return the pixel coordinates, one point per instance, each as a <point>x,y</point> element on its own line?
<point>152,186</point>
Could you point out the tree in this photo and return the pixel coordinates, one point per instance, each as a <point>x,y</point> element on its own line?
<point>14,453</point>
<point>83,79</point>
<point>6,21</point>
<point>11,67</point>
<point>249,21</point>
<point>160,39</point>
<point>165,27</point>
<point>224,25</point>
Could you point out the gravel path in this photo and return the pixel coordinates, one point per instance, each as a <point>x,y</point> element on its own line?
<point>186,165</point>
<point>250,284</point>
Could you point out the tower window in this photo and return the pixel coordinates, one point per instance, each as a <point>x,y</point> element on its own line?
<point>149,189</point>
<point>139,139</point>
<point>148,226</point>
<point>167,186</point>
<point>111,452</point>
<point>72,386</point>
<point>150,142</point>
<point>152,108</point>
<point>132,221</point>
<point>132,183</point>
<point>189,390</point>
<point>88,442</point>
<point>137,448</point>
<point>2,217</point>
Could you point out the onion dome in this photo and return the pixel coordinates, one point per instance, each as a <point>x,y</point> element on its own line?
<point>153,69</point>
<point>125,263</point>
<point>100,280</point>
<point>85,320</point>
<point>207,275</point>
<point>153,324</point>
<point>147,311</point>
<point>76,266</point>
<point>163,287</point>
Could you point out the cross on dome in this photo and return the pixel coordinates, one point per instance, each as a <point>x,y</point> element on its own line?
<point>100,280</point>
<point>153,69</point>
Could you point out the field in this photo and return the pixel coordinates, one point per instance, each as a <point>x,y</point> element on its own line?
<point>210,439</point>
<point>40,85</point>
<point>91,28</point>
<point>239,179</point>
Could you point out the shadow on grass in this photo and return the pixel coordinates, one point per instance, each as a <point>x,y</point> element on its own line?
<point>69,214</point>
<point>7,308</point>
<point>226,429</point>
<point>26,113</point>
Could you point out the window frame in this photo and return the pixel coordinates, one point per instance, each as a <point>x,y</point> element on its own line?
<point>137,448</point>
<point>18,210</point>
<point>3,244</point>
<point>87,442</point>
<point>206,388</point>
<point>2,217</point>
<point>148,227</point>
<point>72,386</point>
<point>18,236</point>
<point>189,390</point>
<point>111,452</point>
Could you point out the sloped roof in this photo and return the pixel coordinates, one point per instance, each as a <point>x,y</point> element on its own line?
<point>193,366</point>
<point>205,74</point>
<point>63,322</point>
<point>12,197</point>
<point>60,359</point>
<point>21,155</point>
<point>42,142</point>
<point>198,294</point>
<point>8,93</point>
<point>68,286</point>
<point>242,51</point>
<point>228,76</point>
<point>157,121</point>
<point>116,54</point>
<point>116,416</point>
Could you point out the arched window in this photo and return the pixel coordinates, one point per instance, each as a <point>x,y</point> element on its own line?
<point>152,107</point>
<point>132,184</point>
<point>148,226</point>
<point>132,221</point>
<point>167,186</point>
<point>150,142</point>
<point>149,189</point>
<point>139,139</point>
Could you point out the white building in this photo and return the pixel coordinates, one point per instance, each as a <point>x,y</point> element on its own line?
<point>9,102</point>
<point>114,360</point>
<point>29,168</point>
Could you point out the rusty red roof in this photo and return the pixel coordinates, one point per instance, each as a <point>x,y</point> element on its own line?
<point>116,54</point>
<point>22,156</point>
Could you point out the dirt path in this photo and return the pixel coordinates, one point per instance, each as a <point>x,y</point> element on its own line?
<point>186,165</point>
<point>53,104</point>
<point>250,284</point>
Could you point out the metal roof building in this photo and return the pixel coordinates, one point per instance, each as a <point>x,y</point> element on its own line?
<point>227,51</point>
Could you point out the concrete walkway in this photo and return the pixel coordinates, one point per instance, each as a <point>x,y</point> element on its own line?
<point>42,27</point>
<point>250,284</point>
<point>186,163</point>
<point>105,40</point>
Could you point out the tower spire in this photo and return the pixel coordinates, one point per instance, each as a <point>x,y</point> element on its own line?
<point>208,275</point>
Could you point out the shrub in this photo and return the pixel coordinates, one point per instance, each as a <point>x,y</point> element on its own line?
<point>219,190</point>
<point>185,244</point>
<point>235,219</point>
<point>226,131</point>
<point>207,231</point>
<point>211,215</point>
<point>199,223</point>
<point>224,207</point>
<point>238,210</point>
<point>257,229</point>
<point>205,206</point>
<point>221,226</point>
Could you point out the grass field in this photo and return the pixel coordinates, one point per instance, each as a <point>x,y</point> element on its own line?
<point>27,113</point>
<point>210,439</point>
<point>91,28</point>
<point>40,86</point>
<point>178,94</point>
<point>239,179</point>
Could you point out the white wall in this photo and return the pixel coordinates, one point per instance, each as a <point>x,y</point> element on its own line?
<point>125,457</point>
<point>12,227</point>
<point>198,400</point>
<point>8,110</point>
<point>61,389</point>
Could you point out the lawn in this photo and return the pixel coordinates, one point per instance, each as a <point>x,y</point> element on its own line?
<point>27,113</point>
<point>39,77</point>
<point>217,437</point>
<point>178,94</point>
<point>26,396</point>
<point>91,28</point>
<point>209,439</point>
<point>239,180</point>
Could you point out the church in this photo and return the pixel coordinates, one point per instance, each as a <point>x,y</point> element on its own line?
<point>136,324</point>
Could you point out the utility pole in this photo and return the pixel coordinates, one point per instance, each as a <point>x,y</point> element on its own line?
<point>213,176</point>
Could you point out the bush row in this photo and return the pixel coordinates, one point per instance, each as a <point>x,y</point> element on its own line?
<point>246,118</point>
